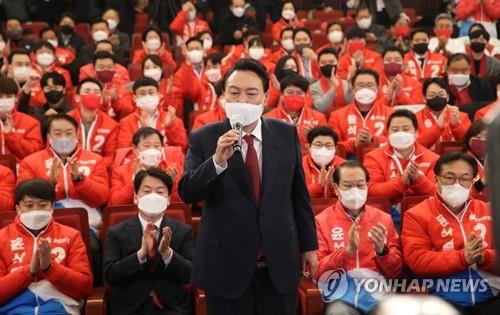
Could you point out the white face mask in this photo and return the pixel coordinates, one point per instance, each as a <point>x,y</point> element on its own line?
<point>21,74</point>
<point>250,112</point>
<point>256,53</point>
<point>153,44</point>
<point>195,56</point>
<point>213,75</point>
<point>288,44</point>
<point>112,24</point>
<point>207,43</point>
<point>323,156</point>
<point>191,15</point>
<point>45,59</point>
<point>238,12</point>
<point>148,103</point>
<point>335,36</point>
<point>35,219</point>
<point>2,46</point>
<point>498,94</point>
<point>153,73</point>
<point>99,35</point>
<point>150,157</point>
<point>288,14</point>
<point>64,145</point>
<point>354,198</point>
<point>7,105</point>
<point>401,140</point>
<point>454,195</point>
<point>364,23</point>
<point>53,42</point>
<point>365,96</point>
<point>152,204</point>
<point>458,79</point>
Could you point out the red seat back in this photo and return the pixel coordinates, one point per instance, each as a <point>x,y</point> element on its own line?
<point>34,27</point>
<point>380,203</point>
<point>364,149</point>
<point>409,202</point>
<point>328,16</point>
<point>449,146</point>
<point>83,29</point>
<point>320,204</point>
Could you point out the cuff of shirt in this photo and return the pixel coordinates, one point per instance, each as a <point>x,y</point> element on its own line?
<point>168,259</point>
<point>218,168</point>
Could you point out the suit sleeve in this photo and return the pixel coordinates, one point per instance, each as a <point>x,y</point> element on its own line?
<point>303,212</point>
<point>7,184</point>
<point>74,279</point>
<point>94,189</point>
<point>22,145</point>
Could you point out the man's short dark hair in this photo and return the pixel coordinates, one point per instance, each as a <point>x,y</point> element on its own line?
<point>441,82</point>
<point>68,15</point>
<point>327,51</point>
<point>194,39</point>
<point>457,57</point>
<point>215,58</point>
<point>153,172</point>
<point>393,49</point>
<point>44,44</point>
<point>8,86</point>
<point>143,133</point>
<point>45,30</point>
<point>57,79</point>
<point>294,80</point>
<point>302,29</point>
<point>454,157</point>
<point>403,113</point>
<point>248,64</point>
<point>349,164</point>
<point>89,79</point>
<point>99,21</point>
<point>151,29</point>
<point>355,32</point>
<point>35,187</point>
<point>365,71</point>
<point>103,54</point>
<point>361,7</point>
<point>286,29</point>
<point>57,117</point>
<point>144,81</point>
<point>325,131</point>
<point>419,30</point>
<point>251,31</point>
<point>18,52</point>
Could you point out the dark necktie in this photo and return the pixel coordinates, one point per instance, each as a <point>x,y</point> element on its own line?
<point>151,255</point>
<point>252,165</point>
<point>422,62</point>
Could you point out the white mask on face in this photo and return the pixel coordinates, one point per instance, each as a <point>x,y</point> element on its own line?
<point>364,23</point>
<point>53,42</point>
<point>35,219</point>
<point>250,112</point>
<point>354,198</point>
<point>195,56</point>
<point>148,103</point>
<point>64,145</point>
<point>152,204</point>
<point>7,105</point>
<point>401,140</point>
<point>207,43</point>
<point>21,74</point>
<point>153,44</point>
<point>454,195</point>
<point>256,53</point>
<point>458,79</point>
<point>288,14</point>
<point>191,15</point>
<point>238,12</point>
<point>365,96</point>
<point>150,157</point>
<point>213,75</point>
<point>112,24</point>
<point>335,36</point>
<point>288,44</point>
<point>99,35</point>
<point>323,156</point>
<point>45,59</point>
<point>153,73</point>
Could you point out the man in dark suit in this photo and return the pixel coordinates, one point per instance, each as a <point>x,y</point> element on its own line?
<point>147,258</point>
<point>258,229</point>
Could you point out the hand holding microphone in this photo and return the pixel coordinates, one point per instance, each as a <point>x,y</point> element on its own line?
<point>229,142</point>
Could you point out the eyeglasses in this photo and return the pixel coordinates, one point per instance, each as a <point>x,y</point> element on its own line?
<point>319,145</point>
<point>465,181</point>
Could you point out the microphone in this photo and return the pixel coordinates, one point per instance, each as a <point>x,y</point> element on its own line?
<point>236,121</point>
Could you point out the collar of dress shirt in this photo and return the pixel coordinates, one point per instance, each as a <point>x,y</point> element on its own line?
<point>144,223</point>
<point>256,132</point>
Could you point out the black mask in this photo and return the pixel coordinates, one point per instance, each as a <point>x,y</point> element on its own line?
<point>327,70</point>
<point>300,47</point>
<point>54,97</point>
<point>66,29</point>
<point>15,34</point>
<point>420,48</point>
<point>436,103</point>
<point>477,47</point>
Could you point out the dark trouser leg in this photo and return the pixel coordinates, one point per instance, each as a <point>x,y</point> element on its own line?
<point>268,300</point>
<point>95,251</point>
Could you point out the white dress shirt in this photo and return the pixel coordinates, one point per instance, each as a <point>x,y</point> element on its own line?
<point>144,224</point>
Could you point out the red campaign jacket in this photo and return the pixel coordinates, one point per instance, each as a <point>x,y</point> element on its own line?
<point>433,237</point>
<point>411,91</point>
<point>386,172</point>
<point>122,105</point>
<point>101,138</point>
<point>214,115</point>
<point>121,73</point>
<point>314,71</point>
<point>333,226</point>
<point>166,58</point>
<point>92,190</point>
<point>280,25</point>
<point>308,118</point>
<point>486,110</point>
<point>347,121</point>
<point>69,272</point>
<point>122,178</point>
<point>175,134</point>
<point>7,185</point>
<point>311,172</point>
<point>187,87</point>
<point>24,139</point>
<point>430,135</point>
<point>208,96</point>
<point>372,60</point>
<point>433,66</point>
<point>487,11</point>
<point>180,26</point>
<point>37,98</point>
<point>277,55</point>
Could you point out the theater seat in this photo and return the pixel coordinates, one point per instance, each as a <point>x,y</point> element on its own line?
<point>310,298</point>
<point>34,27</point>
<point>83,29</point>
<point>380,203</point>
<point>449,146</point>
<point>328,16</point>
<point>320,204</point>
<point>364,149</point>
<point>409,202</point>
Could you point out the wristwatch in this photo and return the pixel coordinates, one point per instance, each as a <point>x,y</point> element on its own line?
<point>384,251</point>
<point>77,179</point>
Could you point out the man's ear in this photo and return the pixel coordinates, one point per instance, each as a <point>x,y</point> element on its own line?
<point>78,98</point>
<point>135,199</point>
<point>308,146</point>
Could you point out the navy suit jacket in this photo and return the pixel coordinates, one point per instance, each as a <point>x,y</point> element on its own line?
<point>234,224</point>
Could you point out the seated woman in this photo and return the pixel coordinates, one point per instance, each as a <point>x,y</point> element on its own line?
<point>152,44</point>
